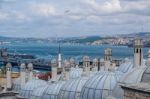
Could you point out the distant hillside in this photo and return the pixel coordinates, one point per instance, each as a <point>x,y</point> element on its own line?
<point>139,34</point>
<point>88,39</point>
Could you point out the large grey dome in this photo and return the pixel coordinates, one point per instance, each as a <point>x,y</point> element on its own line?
<point>17,85</point>
<point>72,88</point>
<point>52,90</point>
<point>75,73</point>
<point>30,86</point>
<point>100,85</point>
<point>38,92</point>
<point>135,75</point>
<point>125,67</point>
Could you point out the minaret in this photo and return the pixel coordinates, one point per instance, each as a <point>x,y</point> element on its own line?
<point>138,55</point>
<point>8,76</point>
<point>30,70</point>
<point>107,58</point>
<point>148,60</point>
<point>59,58</point>
<point>22,75</point>
<point>54,70</point>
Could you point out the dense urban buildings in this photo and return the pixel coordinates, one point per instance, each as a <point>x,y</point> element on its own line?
<point>90,79</point>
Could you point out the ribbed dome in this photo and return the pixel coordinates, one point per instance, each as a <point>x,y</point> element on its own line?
<point>52,90</point>
<point>100,85</point>
<point>30,86</point>
<point>38,92</point>
<point>72,89</point>
<point>75,73</point>
<point>125,67</point>
<point>146,76</point>
<point>17,85</point>
<point>135,75</point>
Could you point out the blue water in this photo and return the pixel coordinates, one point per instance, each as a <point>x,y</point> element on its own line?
<point>49,50</point>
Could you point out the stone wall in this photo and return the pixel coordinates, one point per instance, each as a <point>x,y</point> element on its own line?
<point>133,94</point>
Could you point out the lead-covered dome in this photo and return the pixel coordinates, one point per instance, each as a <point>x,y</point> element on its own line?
<point>135,75</point>
<point>125,67</point>
<point>72,88</point>
<point>100,85</point>
<point>52,90</point>
<point>30,86</point>
<point>75,73</point>
<point>38,92</point>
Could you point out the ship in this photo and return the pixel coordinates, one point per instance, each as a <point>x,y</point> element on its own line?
<point>17,59</point>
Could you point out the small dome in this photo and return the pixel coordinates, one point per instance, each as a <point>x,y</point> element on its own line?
<point>86,58</point>
<point>95,60</point>
<point>72,89</point>
<point>100,85</point>
<point>22,66</point>
<point>125,67</point>
<point>30,86</point>
<point>53,61</point>
<point>8,65</point>
<point>38,92</point>
<point>72,60</point>
<point>52,90</point>
<point>30,66</point>
<point>75,73</point>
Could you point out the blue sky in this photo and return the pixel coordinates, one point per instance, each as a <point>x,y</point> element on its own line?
<point>63,18</point>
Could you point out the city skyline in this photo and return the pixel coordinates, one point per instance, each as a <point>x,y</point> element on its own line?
<point>49,18</point>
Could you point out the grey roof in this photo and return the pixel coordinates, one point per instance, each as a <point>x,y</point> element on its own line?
<point>146,75</point>
<point>72,88</point>
<point>75,73</point>
<point>30,86</point>
<point>134,76</point>
<point>38,92</point>
<point>100,85</point>
<point>125,67</point>
<point>52,90</point>
<point>17,85</point>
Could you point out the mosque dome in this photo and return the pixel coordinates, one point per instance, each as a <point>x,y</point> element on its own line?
<point>38,92</point>
<point>30,66</point>
<point>17,85</point>
<point>125,67</point>
<point>72,88</point>
<point>52,90</point>
<point>30,86</point>
<point>95,60</point>
<point>86,58</point>
<point>75,73</point>
<point>100,85</point>
<point>135,75</point>
<point>72,60</point>
<point>53,61</point>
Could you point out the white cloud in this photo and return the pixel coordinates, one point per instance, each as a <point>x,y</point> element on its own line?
<point>3,15</point>
<point>43,9</point>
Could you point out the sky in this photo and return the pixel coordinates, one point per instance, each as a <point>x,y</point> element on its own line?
<point>68,18</point>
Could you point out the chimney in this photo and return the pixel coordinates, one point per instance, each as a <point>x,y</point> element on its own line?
<point>8,76</point>
<point>30,70</point>
<point>138,54</point>
<point>22,75</point>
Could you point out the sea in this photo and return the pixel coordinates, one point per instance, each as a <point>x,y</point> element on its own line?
<point>77,51</point>
<point>49,51</point>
